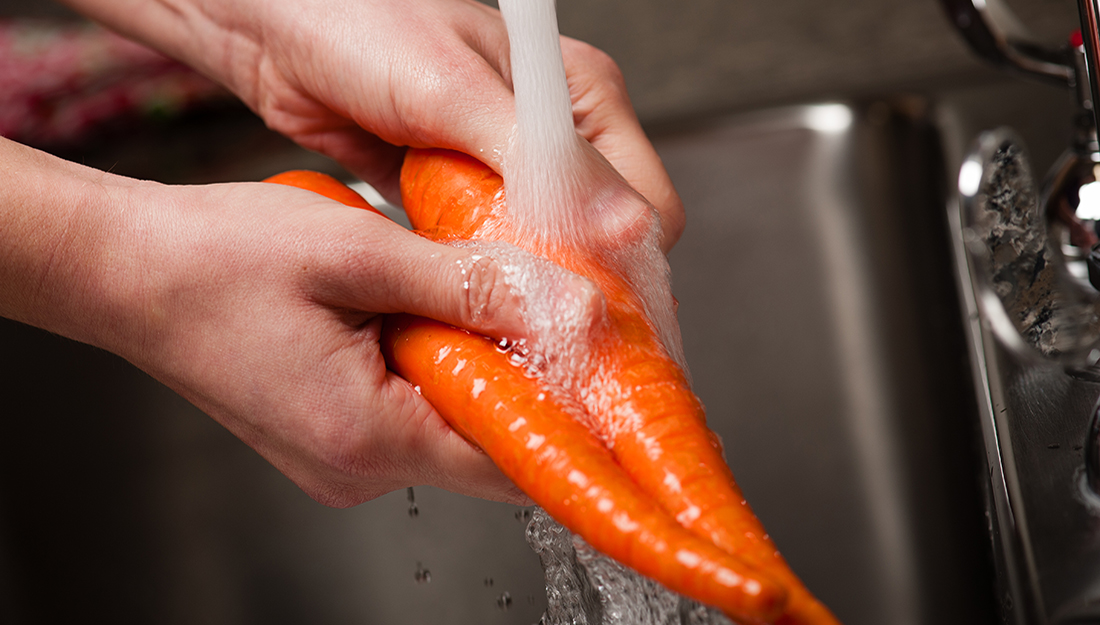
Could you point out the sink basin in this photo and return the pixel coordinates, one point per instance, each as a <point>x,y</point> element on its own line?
<point>820,321</point>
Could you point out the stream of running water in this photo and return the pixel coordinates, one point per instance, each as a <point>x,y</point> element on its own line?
<point>560,191</point>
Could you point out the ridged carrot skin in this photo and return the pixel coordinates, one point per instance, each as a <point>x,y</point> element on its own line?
<point>531,434</point>
<point>646,413</point>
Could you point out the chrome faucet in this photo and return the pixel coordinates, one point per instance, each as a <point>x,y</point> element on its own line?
<point>1036,255</point>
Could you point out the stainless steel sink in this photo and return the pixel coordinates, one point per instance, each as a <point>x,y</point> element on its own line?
<point>821,324</point>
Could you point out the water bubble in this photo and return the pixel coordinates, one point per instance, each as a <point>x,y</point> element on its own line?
<point>488,582</point>
<point>413,511</point>
<point>422,575</point>
<point>504,601</point>
<point>523,515</point>
<point>583,586</point>
<point>411,496</point>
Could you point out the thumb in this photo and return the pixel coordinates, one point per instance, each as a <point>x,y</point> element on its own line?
<point>492,288</point>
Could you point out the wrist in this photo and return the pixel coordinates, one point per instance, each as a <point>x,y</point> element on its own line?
<point>69,259</point>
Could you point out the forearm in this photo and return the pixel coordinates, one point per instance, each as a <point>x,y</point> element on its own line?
<point>67,249</point>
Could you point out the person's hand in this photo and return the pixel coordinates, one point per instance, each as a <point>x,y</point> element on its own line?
<point>260,304</point>
<point>360,79</point>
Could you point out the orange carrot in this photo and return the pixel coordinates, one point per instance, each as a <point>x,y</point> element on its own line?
<point>642,402</point>
<point>323,184</point>
<point>531,434</point>
<point>665,465</point>
<point>534,440</point>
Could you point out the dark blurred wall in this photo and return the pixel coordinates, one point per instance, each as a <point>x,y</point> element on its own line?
<point>682,58</point>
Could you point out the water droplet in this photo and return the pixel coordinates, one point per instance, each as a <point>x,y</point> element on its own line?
<point>417,389</point>
<point>488,582</point>
<point>523,515</point>
<point>422,575</point>
<point>504,601</point>
<point>411,496</point>
<point>413,511</point>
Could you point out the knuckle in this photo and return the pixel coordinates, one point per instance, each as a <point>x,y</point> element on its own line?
<point>594,61</point>
<point>485,289</point>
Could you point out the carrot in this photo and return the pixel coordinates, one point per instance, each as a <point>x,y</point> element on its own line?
<point>641,401</point>
<point>532,437</point>
<point>323,184</point>
<point>664,465</point>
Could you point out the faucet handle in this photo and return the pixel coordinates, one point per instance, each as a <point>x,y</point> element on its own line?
<point>997,35</point>
<point>1023,285</point>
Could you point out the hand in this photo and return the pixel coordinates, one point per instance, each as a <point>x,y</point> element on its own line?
<point>264,313</point>
<point>360,79</point>
<point>260,304</point>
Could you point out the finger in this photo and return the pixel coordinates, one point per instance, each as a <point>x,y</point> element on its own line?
<point>605,117</point>
<point>363,432</point>
<point>446,460</point>
<point>363,154</point>
<point>494,289</point>
<point>447,88</point>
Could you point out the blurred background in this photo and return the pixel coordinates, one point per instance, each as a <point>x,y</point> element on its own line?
<point>814,144</point>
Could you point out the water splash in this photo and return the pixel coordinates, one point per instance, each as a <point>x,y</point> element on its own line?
<point>422,575</point>
<point>584,587</point>
<point>414,511</point>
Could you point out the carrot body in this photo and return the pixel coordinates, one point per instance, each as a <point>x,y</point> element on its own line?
<point>323,184</point>
<point>646,413</point>
<point>649,471</point>
<point>534,440</point>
